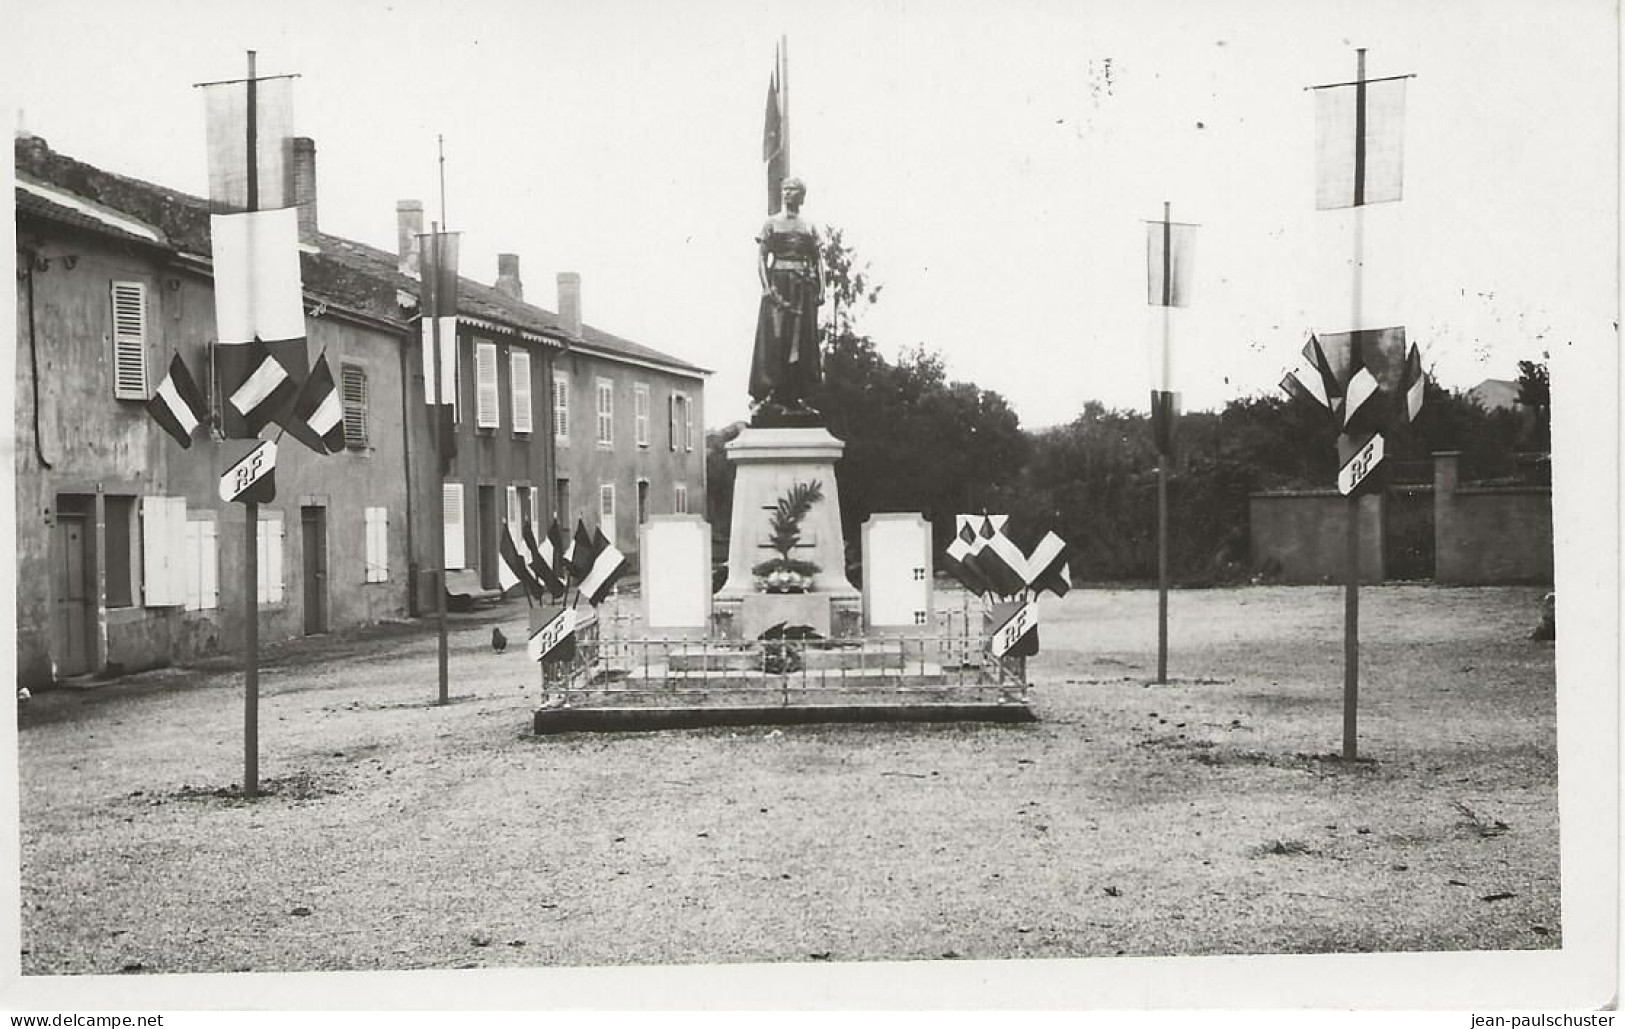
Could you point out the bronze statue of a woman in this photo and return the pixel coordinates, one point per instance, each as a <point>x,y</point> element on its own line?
<point>785,365</point>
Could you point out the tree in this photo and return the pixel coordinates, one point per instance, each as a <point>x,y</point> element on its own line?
<point>1535,396</point>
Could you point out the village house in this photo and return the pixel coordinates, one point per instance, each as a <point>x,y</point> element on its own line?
<point>126,557</point>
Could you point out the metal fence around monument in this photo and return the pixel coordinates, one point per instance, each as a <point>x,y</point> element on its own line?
<point>615,664</point>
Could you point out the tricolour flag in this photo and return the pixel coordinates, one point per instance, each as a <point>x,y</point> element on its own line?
<point>317,418</point>
<point>999,560</point>
<point>513,571</point>
<point>1359,142</point>
<point>543,565</point>
<point>178,405</point>
<point>438,309</point>
<point>1414,384</point>
<point>1170,249</point>
<point>1367,368</point>
<point>956,559</point>
<point>254,236</point>
<point>1047,566</point>
<point>1361,388</point>
<point>608,564</point>
<point>776,133</point>
<point>582,553</point>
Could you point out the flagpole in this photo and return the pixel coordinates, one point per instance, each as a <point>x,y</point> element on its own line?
<point>435,430</point>
<point>251,564</point>
<point>1162,456</point>
<point>1351,589</point>
<point>784,101</point>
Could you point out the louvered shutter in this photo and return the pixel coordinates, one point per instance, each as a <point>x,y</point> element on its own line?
<point>485,385</point>
<point>452,504</point>
<point>269,547</point>
<point>519,372</point>
<point>163,551</point>
<point>353,387</point>
<point>130,340</point>
<point>377,530</point>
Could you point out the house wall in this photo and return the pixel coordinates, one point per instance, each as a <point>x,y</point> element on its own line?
<point>93,446</point>
<point>659,462</point>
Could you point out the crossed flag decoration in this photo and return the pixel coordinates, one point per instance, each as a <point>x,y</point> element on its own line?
<point>1366,380</point>
<point>988,563</point>
<point>549,566</point>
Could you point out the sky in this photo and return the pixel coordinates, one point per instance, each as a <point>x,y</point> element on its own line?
<point>994,165</point>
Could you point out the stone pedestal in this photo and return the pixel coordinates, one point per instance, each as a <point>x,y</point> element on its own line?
<point>768,462</point>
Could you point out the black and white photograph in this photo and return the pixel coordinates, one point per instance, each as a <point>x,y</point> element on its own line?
<point>732,504</point>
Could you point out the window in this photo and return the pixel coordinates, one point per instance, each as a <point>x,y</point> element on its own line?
<point>130,340</point>
<point>451,501</point>
<point>643,501</point>
<point>376,520</point>
<point>606,509</point>
<point>680,422</point>
<point>679,500</point>
<point>353,389</point>
<point>561,498</point>
<point>606,413</point>
<point>117,532</point>
<point>486,413</point>
<point>269,547</point>
<point>561,406</point>
<point>163,551</point>
<point>516,511</point>
<point>519,378</point>
<point>640,413</point>
<point>202,570</point>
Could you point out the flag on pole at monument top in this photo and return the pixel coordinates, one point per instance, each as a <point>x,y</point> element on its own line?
<point>177,405</point>
<point>1047,566</point>
<point>254,240</point>
<point>775,134</point>
<point>542,565</point>
<point>1170,267</point>
<point>608,564</point>
<point>512,571</point>
<point>317,417</point>
<point>438,307</point>
<point>1359,142</point>
<point>956,558</point>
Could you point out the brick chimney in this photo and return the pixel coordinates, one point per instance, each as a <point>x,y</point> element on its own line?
<point>304,186</point>
<point>570,302</point>
<point>508,276</point>
<point>408,226</point>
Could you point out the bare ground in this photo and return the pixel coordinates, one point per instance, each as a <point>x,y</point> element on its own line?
<point>1207,816</point>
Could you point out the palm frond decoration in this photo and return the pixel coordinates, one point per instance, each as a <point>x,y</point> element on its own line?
<point>791,511</point>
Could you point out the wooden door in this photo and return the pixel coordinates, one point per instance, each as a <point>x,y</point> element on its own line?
<point>73,614</point>
<point>313,534</point>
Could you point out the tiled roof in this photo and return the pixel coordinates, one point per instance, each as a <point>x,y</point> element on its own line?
<point>343,272</point>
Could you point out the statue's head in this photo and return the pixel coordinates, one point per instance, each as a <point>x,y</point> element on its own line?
<point>793,186</point>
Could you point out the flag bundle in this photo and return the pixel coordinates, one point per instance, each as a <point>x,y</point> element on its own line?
<point>987,562</point>
<point>254,232</point>
<point>1367,380</point>
<point>317,417</point>
<point>438,309</point>
<point>178,405</point>
<point>589,561</point>
<point>1170,259</point>
<point>776,133</point>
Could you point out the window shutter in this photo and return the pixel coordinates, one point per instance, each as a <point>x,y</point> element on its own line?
<point>485,385</point>
<point>268,544</point>
<point>561,406</point>
<point>353,387</point>
<point>640,414</point>
<point>671,419</point>
<point>208,569</point>
<point>377,529</point>
<point>536,509</point>
<point>130,340</point>
<point>163,551</point>
<point>606,412</point>
<point>452,505</point>
<point>519,372</point>
<point>688,424</point>
<point>194,550</point>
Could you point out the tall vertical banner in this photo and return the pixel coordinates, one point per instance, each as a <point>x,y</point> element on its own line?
<point>776,130</point>
<point>438,307</point>
<point>1359,142</point>
<point>254,228</point>
<point>1170,251</point>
